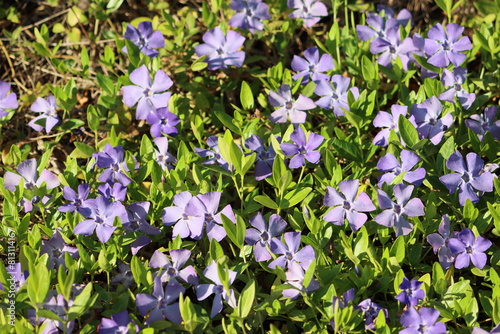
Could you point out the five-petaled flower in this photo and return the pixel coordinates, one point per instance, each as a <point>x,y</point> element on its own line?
<point>145,38</point>
<point>262,235</point>
<point>392,168</point>
<point>48,108</point>
<point>249,13</point>
<point>222,50</point>
<point>467,248</point>
<point>422,321</point>
<point>481,124</point>
<point>172,271</point>
<point>7,101</point>
<point>312,67</point>
<point>411,292</point>
<point>334,94</point>
<point>388,121</point>
<point>439,242</point>
<point>264,158</point>
<point>288,108</point>
<point>426,117</point>
<point>310,11</point>
<point>290,252</point>
<point>303,149</point>
<point>455,81</point>
<point>113,159</point>
<point>446,46</point>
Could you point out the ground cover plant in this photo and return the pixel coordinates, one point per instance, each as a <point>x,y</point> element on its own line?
<point>250,166</point>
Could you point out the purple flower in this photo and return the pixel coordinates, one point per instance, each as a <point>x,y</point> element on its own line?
<point>135,221</point>
<point>480,124</point>
<point>28,172</point>
<point>378,25</point>
<point>48,109</point>
<point>370,312</point>
<point>149,95</point>
<point>264,159</point>
<point>171,271</point>
<point>112,194</point>
<point>145,38</point>
<point>77,201</point>
<point>394,212</point>
<point>290,252</point>
<point>55,248</point>
<point>312,67</point>
<point>222,51</point>
<point>288,108</point>
<point>60,307</point>
<point>117,324</point>
<point>439,242</point>
<point>467,248</point>
<point>250,12</point>
<point>214,154</point>
<point>100,219</point>
<point>7,101</point>
<point>469,176</point>
<point>262,235</point>
<point>163,122</point>
<point>388,122</point>
<point>334,94</point>
<point>412,293</point>
<point>17,277</point>
<point>160,305</point>
<point>124,276</point>
<point>295,278</point>
<point>113,159</point>
<point>187,215</point>
<point>205,290</point>
<point>456,80</point>
<point>303,149</point>
<point>422,321</point>
<point>392,168</point>
<point>348,206</point>
<point>392,48</point>
<point>445,46</point>
<point>426,116</point>
<point>342,302</point>
<point>163,158</point>
<point>310,11</point>
<point>495,330</point>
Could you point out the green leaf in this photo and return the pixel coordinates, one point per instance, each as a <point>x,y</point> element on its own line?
<point>398,249</point>
<point>294,197</point>
<point>407,131</point>
<point>133,52</point>
<point>246,96</point>
<point>93,118</point>
<point>422,61</point>
<point>39,284</point>
<point>230,229</point>
<point>266,201</point>
<point>348,150</point>
<point>139,271</point>
<point>227,120</point>
<point>106,83</point>
<point>84,149</point>
<point>82,303</point>
<point>246,299</point>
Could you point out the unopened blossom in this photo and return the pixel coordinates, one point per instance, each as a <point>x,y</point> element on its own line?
<point>60,307</point>
<point>312,67</point>
<point>55,248</point>
<point>349,205</point>
<point>163,157</point>
<point>392,47</point>
<point>48,109</point>
<point>221,293</point>
<point>334,94</point>
<point>113,160</point>
<point>213,154</point>
<point>161,305</point>
<point>149,95</point>
<point>455,81</point>
<point>7,101</point>
<point>370,312</point>
<point>446,46</point>
<point>303,149</point>
<point>261,234</point>
<point>388,121</point>
<point>439,242</point>
<point>392,168</point>
<point>118,323</point>
<point>395,212</point>
<point>310,11</point>
<point>172,271</point>
<point>188,219</point>
<point>426,116</point>
<point>290,252</point>
<point>423,321</point>
<point>77,200</point>
<point>295,277</point>
<point>145,38</point>
<point>411,292</point>
<point>264,158</point>
<point>469,177</point>
<point>222,50</point>
<point>289,109</point>
<point>249,14</point>
<point>481,124</point>
<point>467,248</point>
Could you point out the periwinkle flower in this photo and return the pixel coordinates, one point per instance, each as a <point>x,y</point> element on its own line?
<point>188,219</point>
<point>77,201</point>
<point>295,277</point>
<point>135,221</point>
<point>446,46</point>
<point>48,109</point>
<point>145,38</point>
<point>312,66</point>
<point>60,307</point>
<point>370,312</point>
<point>289,109</point>
<point>481,124</point>
<point>261,234</point>
<point>172,271</point>
<point>205,290</point>
<point>345,299</point>
<point>113,159</point>
<point>148,95</point>
<point>423,321</point>
<point>55,248</point>
<point>290,252</point>
<point>426,116</point>
<point>163,121</point>
<point>7,101</point>
<point>160,305</point>
<point>117,324</point>
<point>222,50</point>
<point>249,13</point>
<point>455,81</point>
<point>495,330</point>
<point>303,149</point>
<point>334,94</point>
<point>264,159</point>
<point>391,47</point>
<point>348,206</point>
<point>392,168</point>
<point>412,293</point>
<point>388,121</point>
<point>114,193</point>
<point>163,157</point>
<point>469,176</point>
<point>214,154</point>
<point>439,242</point>
<point>310,11</point>
<point>394,212</point>
<point>124,276</point>
<point>378,24</point>
<point>467,248</point>
<point>17,278</point>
